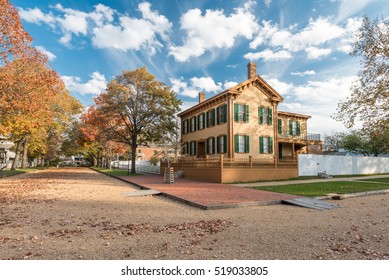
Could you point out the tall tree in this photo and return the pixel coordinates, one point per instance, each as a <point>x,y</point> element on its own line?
<point>369,100</point>
<point>14,40</point>
<point>138,109</point>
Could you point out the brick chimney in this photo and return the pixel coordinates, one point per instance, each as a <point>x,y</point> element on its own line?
<point>251,70</point>
<point>201,97</point>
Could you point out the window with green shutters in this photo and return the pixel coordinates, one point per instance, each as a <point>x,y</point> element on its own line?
<point>201,121</point>
<point>241,112</point>
<point>265,145</point>
<point>242,143</point>
<point>211,145</point>
<point>185,127</point>
<point>279,126</point>
<point>210,116</point>
<point>193,124</point>
<point>222,144</point>
<point>265,115</point>
<point>294,128</point>
<point>193,147</point>
<point>221,113</point>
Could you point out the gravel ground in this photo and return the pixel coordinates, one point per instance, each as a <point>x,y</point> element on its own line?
<point>77,213</point>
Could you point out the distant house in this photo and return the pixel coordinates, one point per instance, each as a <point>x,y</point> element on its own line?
<point>243,124</point>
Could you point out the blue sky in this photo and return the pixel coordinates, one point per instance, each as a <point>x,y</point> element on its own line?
<point>300,47</point>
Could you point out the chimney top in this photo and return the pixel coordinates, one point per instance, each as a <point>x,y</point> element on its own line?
<point>251,70</point>
<point>201,97</point>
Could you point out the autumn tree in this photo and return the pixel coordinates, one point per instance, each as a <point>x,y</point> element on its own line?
<point>14,40</point>
<point>138,109</point>
<point>369,100</point>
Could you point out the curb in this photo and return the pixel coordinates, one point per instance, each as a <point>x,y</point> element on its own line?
<point>351,195</point>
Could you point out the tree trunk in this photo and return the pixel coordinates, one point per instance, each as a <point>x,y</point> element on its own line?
<point>133,153</point>
<point>25,152</point>
<point>15,162</point>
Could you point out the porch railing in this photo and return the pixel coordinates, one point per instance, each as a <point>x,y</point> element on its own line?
<point>302,136</point>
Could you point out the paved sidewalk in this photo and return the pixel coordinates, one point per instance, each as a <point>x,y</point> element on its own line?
<point>207,195</point>
<point>293,182</point>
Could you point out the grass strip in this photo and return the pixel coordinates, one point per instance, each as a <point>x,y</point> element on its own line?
<point>324,188</point>
<point>115,172</point>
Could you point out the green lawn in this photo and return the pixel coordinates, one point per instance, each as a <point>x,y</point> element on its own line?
<point>320,189</point>
<point>115,172</point>
<point>8,173</point>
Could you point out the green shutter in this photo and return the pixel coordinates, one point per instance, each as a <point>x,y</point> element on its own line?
<point>290,127</point>
<point>247,146</point>
<point>270,118</point>
<point>198,122</point>
<point>247,113</point>
<point>298,129</point>
<point>206,146</point>
<point>213,145</point>
<point>260,115</point>
<point>187,147</point>
<point>261,145</point>
<point>224,113</point>
<point>217,115</point>
<point>225,144</point>
<point>207,119</point>
<point>270,145</point>
<point>195,124</point>
<point>195,148</point>
<point>236,143</point>
<point>279,126</point>
<point>236,115</point>
<point>218,144</point>
<point>213,117</point>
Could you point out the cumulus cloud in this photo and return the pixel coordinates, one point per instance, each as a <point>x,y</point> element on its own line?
<point>95,85</point>
<point>127,33</point>
<point>317,39</point>
<point>36,16</point>
<point>305,73</point>
<point>268,55</point>
<point>196,85</point>
<point>213,30</point>
<point>317,98</point>
<point>315,53</point>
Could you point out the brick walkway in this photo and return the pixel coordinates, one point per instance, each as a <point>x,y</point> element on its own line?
<point>207,195</point>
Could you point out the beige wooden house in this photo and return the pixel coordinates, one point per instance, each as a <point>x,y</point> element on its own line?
<point>244,122</point>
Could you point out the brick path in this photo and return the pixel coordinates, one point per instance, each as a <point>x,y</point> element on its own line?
<point>207,195</point>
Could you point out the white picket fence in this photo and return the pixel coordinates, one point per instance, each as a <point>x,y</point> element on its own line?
<point>140,166</point>
<point>311,165</point>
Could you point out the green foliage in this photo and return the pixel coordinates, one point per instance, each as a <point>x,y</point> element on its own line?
<point>154,160</point>
<point>369,100</point>
<point>361,142</point>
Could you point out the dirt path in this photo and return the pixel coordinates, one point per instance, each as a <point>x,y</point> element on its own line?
<point>81,214</point>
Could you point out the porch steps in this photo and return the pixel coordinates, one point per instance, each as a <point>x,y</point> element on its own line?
<point>311,203</point>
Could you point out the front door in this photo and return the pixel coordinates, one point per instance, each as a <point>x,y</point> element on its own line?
<point>279,150</point>
<point>201,149</point>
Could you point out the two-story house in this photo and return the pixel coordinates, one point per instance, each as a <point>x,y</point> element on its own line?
<point>244,121</point>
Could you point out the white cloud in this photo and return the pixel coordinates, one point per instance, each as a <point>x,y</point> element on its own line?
<point>129,33</point>
<point>348,8</point>
<point>316,98</point>
<point>206,83</point>
<point>213,30</point>
<point>49,54</point>
<point>315,53</point>
<point>268,55</point>
<point>305,73</point>
<point>96,85</point>
<point>267,2</point>
<point>317,37</point>
<point>196,85</point>
<point>229,84</point>
<point>36,16</point>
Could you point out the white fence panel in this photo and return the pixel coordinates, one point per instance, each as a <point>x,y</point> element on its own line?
<point>311,165</point>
